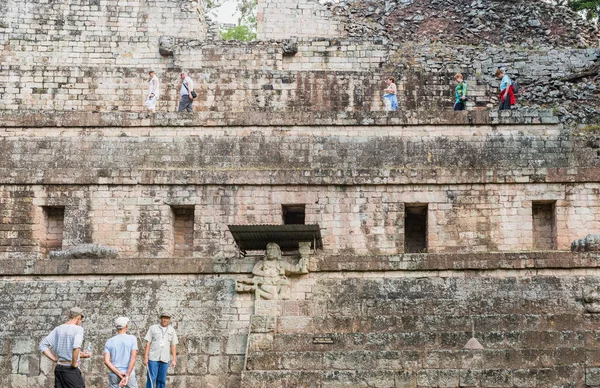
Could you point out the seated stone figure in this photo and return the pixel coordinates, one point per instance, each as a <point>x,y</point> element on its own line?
<point>270,281</point>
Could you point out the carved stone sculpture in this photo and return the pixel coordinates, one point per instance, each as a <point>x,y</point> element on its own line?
<point>85,251</point>
<point>591,300</point>
<point>290,47</point>
<point>166,45</point>
<point>591,243</point>
<point>270,281</point>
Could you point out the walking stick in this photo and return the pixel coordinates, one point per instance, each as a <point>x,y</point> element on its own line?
<point>146,370</point>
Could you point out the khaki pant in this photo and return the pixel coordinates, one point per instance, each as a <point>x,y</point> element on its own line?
<point>114,380</point>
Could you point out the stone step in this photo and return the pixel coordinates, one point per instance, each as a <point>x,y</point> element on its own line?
<point>445,377</point>
<point>370,360</point>
<point>443,322</point>
<point>420,340</point>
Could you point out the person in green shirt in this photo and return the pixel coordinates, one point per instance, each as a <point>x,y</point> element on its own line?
<point>460,92</point>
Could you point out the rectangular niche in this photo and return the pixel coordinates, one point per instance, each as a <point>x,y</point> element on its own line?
<point>53,229</point>
<point>415,228</point>
<point>183,230</point>
<point>544,225</point>
<point>294,214</point>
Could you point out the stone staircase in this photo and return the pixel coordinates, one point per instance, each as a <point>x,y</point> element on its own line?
<point>416,336</point>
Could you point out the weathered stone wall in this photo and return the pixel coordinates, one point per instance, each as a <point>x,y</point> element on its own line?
<point>137,221</point>
<point>99,33</point>
<point>538,70</point>
<point>316,54</point>
<point>409,330</point>
<point>94,56</point>
<point>325,75</point>
<point>284,19</point>
<point>388,329</point>
<point>126,213</point>
<point>211,321</point>
<point>87,54</point>
<point>480,184</point>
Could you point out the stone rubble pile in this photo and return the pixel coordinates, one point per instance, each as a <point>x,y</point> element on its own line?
<point>573,102</point>
<point>525,22</point>
<point>477,32</point>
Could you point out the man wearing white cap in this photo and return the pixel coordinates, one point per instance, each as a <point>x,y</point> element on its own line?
<point>160,351</point>
<point>119,356</point>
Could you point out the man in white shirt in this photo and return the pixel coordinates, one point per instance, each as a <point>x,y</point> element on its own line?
<point>120,352</point>
<point>153,92</point>
<point>185,93</point>
<point>160,351</point>
<point>63,346</point>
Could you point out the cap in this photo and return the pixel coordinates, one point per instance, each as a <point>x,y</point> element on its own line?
<point>75,312</point>
<point>165,314</point>
<point>121,322</point>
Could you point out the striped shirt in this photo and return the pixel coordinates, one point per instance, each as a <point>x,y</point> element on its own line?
<point>63,339</point>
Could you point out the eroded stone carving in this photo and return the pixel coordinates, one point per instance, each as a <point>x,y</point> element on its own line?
<point>290,47</point>
<point>270,281</point>
<point>166,45</point>
<point>591,243</point>
<point>85,251</point>
<point>591,300</point>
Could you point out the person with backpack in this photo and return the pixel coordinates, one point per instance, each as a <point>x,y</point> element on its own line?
<point>186,93</point>
<point>460,92</point>
<point>507,90</point>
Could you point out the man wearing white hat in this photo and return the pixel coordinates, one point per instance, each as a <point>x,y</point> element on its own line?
<point>160,351</point>
<point>119,356</point>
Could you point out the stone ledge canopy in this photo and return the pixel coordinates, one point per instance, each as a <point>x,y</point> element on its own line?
<point>256,237</point>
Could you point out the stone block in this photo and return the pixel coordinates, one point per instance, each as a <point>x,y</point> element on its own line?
<point>262,323</point>
<point>197,364</point>
<point>23,345</point>
<point>218,365</point>
<point>470,378</point>
<point>302,360</point>
<point>263,361</point>
<point>405,379</point>
<point>496,378</point>
<point>260,342</point>
<point>592,376</point>
<point>236,344</point>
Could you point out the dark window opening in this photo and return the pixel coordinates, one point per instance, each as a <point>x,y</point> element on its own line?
<point>294,214</point>
<point>183,230</point>
<point>544,225</point>
<point>415,228</point>
<point>54,228</point>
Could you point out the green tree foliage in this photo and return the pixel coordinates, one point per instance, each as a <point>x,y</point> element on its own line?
<point>247,10</point>
<point>246,25</point>
<point>590,8</point>
<point>242,33</point>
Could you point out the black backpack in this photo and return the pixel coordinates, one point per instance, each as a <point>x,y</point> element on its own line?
<point>515,85</point>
